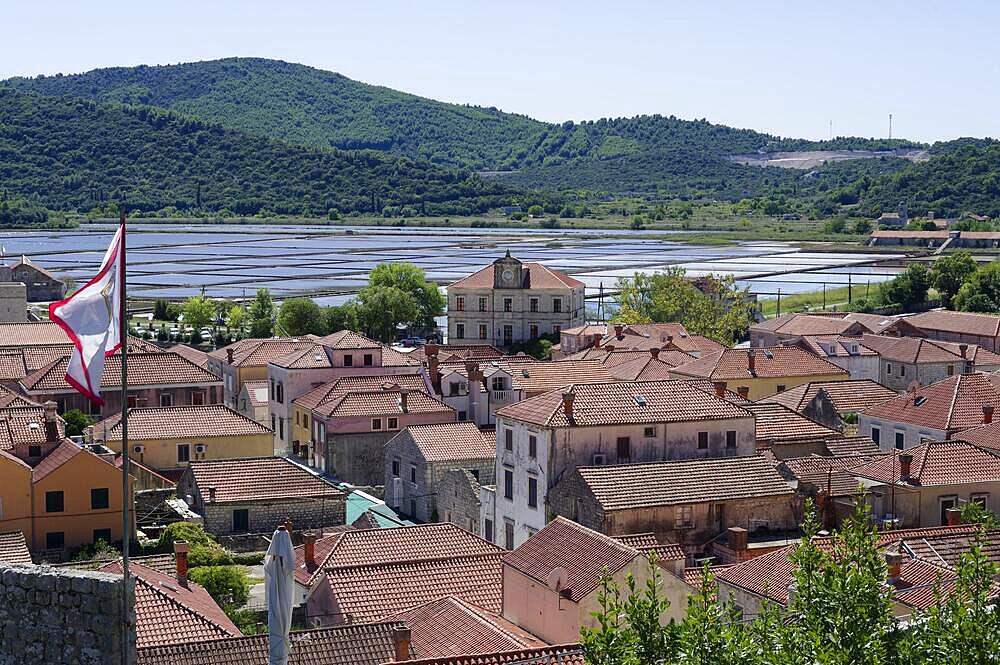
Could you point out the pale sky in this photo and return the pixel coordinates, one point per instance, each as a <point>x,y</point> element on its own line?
<point>787,68</point>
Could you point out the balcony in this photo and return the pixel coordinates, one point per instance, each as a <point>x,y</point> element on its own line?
<point>502,395</point>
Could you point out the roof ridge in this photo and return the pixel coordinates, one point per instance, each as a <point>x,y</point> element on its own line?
<point>410,562</point>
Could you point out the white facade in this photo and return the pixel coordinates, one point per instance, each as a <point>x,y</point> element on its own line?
<point>889,434</point>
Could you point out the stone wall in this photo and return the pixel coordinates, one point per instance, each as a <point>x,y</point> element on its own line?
<point>265,517</point>
<point>458,500</point>
<point>57,616</point>
<point>358,459</point>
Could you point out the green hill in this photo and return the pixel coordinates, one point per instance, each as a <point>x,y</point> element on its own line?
<point>77,154</point>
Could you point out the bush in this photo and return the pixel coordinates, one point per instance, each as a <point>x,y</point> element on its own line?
<point>193,534</point>
<point>76,421</point>
<point>248,558</point>
<point>100,550</point>
<point>228,585</point>
<point>204,556</point>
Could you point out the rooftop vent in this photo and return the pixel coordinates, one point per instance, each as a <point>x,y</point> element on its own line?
<point>34,427</point>
<point>639,399</point>
<point>769,353</point>
<point>919,400</point>
<point>525,373</point>
<point>317,357</point>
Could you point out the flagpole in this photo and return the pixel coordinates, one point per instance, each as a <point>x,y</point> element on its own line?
<point>126,531</point>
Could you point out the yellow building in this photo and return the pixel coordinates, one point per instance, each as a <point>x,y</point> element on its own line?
<point>762,372</point>
<point>246,360</point>
<point>167,438</point>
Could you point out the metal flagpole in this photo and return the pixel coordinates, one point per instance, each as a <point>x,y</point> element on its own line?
<point>126,530</point>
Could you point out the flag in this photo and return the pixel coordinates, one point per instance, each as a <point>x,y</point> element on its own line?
<point>92,319</point>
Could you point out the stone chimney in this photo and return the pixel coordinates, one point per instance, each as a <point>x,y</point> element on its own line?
<point>669,339</point>
<point>433,365</point>
<point>655,352</point>
<point>738,538</point>
<point>401,644</point>
<point>181,559</point>
<point>619,331</point>
<point>743,391</point>
<point>475,377</point>
<point>309,546</point>
<point>720,388</point>
<point>987,414</point>
<point>964,350</point>
<point>229,355</point>
<point>403,393</point>
<point>609,348</point>
<point>752,361</point>
<point>567,402</point>
<point>905,462</point>
<point>953,516</point>
<point>51,422</point>
<point>894,566</point>
<point>211,494</point>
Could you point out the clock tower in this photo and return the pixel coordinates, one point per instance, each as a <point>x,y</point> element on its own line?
<point>508,273</point>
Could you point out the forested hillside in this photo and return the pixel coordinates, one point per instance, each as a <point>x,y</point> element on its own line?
<point>76,154</point>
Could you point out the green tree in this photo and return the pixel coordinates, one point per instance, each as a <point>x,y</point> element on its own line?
<point>262,315</point>
<point>342,317</point>
<point>863,227</point>
<point>236,318</point>
<point>76,422</point>
<point>981,291</point>
<point>229,586</point>
<point>383,308</point>
<point>300,316</point>
<point>411,280</point>
<point>535,211</point>
<point>949,273</point>
<point>909,288</point>
<point>161,310</point>
<point>199,311</point>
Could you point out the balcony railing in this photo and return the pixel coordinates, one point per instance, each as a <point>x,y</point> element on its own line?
<point>501,395</point>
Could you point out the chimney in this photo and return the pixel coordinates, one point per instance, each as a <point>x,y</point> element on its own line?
<point>567,400</point>
<point>211,494</point>
<point>51,422</point>
<point>987,414</point>
<point>894,566</point>
<point>309,546</point>
<point>433,365</point>
<point>655,352</point>
<point>402,399</point>
<point>964,350</point>
<point>229,355</point>
<point>618,331</point>
<point>669,339</point>
<point>738,538</point>
<point>752,361</point>
<point>743,391</point>
<point>401,644</point>
<point>953,516</point>
<point>720,388</point>
<point>609,348</point>
<point>181,559</point>
<point>905,460</point>
<point>475,377</point>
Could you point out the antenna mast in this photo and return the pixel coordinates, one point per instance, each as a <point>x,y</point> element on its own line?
<point>890,126</point>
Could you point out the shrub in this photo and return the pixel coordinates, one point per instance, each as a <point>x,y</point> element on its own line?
<point>248,558</point>
<point>228,585</point>
<point>193,534</point>
<point>200,556</point>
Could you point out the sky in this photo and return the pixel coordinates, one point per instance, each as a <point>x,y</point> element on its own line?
<point>787,68</point>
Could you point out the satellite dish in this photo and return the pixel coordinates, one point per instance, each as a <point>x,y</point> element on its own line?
<point>557,579</point>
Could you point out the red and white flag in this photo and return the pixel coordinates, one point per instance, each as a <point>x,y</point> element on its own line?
<point>92,319</point>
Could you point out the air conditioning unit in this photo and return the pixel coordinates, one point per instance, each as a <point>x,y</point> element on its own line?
<point>139,449</point>
<point>200,448</point>
<point>600,459</point>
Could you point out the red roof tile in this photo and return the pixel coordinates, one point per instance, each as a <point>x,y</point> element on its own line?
<point>984,436</point>
<point>914,350</point>
<point>449,441</point>
<point>648,542</point>
<point>179,422</point>
<point>937,463</point>
<point>346,340</point>
<point>256,392</point>
<point>955,403</point>
<point>536,276</point>
<point>386,402</point>
<point>25,425</point>
<point>567,654</point>
<point>32,334</point>
<point>799,324</point>
<point>258,479</point>
<point>347,384</point>
<point>13,548</point>
<point>846,396</point>
<point>964,323</point>
<point>776,424</point>
<point>255,352</point>
<point>196,356</point>
<point>772,362</point>
<point>144,369</point>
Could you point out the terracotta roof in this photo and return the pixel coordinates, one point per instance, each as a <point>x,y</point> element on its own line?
<point>386,402</point>
<point>584,554</point>
<point>937,463</point>
<point>771,362</point>
<point>167,612</point>
<point>144,369</point>
<point>328,392</point>
<point>645,369</point>
<point>256,352</point>
<point>451,626</point>
<point>346,340</point>
<point>617,403</point>
<point>965,323</point>
<point>452,352</point>
<point>258,479</point>
<point>196,356</point>
<point>358,644</point>
<point>946,546</point>
<point>613,358</point>
<point>539,377</point>
<point>25,425</point>
<point>833,346</point>
<point>536,276</point>
<point>913,350</point>
<point>393,358</point>
<point>257,392</point>
<point>799,324</point>
<point>707,386</point>
<point>846,396</point>
<point>984,436</point>
<point>179,422</point>
<point>13,549</point>
<point>588,329</point>
<point>32,334</point>
<point>66,451</point>
<point>955,403</point>
<point>449,441</point>
<point>313,356</point>
<point>826,474</point>
<point>851,445</point>
<point>630,486</point>
<point>567,654</point>
<point>12,367</point>
<point>776,424</point>
<point>648,542</point>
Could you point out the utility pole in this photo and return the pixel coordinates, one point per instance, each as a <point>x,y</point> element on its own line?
<point>890,126</point>
<point>779,302</point>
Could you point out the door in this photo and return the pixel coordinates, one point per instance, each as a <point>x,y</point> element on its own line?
<point>508,335</point>
<point>241,520</point>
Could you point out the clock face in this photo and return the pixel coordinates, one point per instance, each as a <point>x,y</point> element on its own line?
<point>508,275</point>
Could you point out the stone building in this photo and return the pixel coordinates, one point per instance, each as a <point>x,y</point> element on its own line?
<point>13,302</point>
<point>40,285</point>
<point>960,327</point>
<point>252,402</point>
<point>256,495</point>
<point>459,500</point>
<point>417,459</point>
<point>511,301</point>
<point>903,360</point>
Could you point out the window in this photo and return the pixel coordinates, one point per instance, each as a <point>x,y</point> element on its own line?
<point>508,334</point>
<point>413,474</point>
<point>462,416</point>
<point>556,329</point>
<point>888,369</point>
<point>281,428</point>
<point>649,432</point>
<point>533,331</point>
<point>624,449</point>
<point>395,468</point>
<point>876,435</point>
<point>508,304</point>
<point>348,360</point>
<point>198,398</point>
<point>951,370</point>
<point>376,424</point>
<point>102,534</point>
<point>453,388</point>
<point>475,474</point>
<point>393,423</point>
<point>731,439</point>
<point>274,423</point>
<point>305,420</point>
<point>508,439</point>
<point>483,331</point>
<point>533,304</point>
<point>497,382</point>
<point>482,304</point>
<point>488,529</point>
<point>781,388</point>
<point>532,492</point>
<point>900,436</point>
<point>983,499</point>
<point>702,440</point>
<point>532,446</point>
<point>902,370</point>
<point>99,498</point>
<point>460,303</point>
<point>557,305</point>
<point>413,507</point>
<point>947,502</point>
<point>54,502</point>
<point>183,452</point>
<point>459,331</point>
<point>166,399</point>
<point>296,417</point>
<point>683,517</point>
<point>241,520</point>
<point>508,484</point>
<point>508,535</point>
<point>55,540</point>
<point>133,401</point>
<point>34,451</point>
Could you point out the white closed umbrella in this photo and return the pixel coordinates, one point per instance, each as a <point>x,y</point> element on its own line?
<point>279,588</point>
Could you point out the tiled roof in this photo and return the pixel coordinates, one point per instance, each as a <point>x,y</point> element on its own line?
<point>144,369</point>
<point>613,358</point>
<point>771,362</point>
<point>196,356</point>
<point>776,424</point>
<point>846,396</point>
<point>851,445</point>
<point>707,386</point>
<point>257,392</point>
<point>25,425</point>
<point>630,486</point>
<point>955,403</point>
<point>452,352</point>
<point>937,463</point>
<point>313,356</point>
<point>648,542</point>
<point>984,436</point>
<point>12,367</point>
<point>13,548</point>
<point>536,276</point>
<point>948,544</point>
<point>584,554</point>
<point>347,384</point>
<point>965,323</point>
<point>346,340</point>
<point>834,346</point>
<point>66,451</point>
<point>826,474</point>
<point>618,403</point>
<point>915,350</point>
<point>258,479</point>
<point>810,324</point>
<point>451,626</point>
<point>539,377</point>
<point>32,334</point>
<point>393,358</point>
<point>386,402</point>
<point>358,644</point>
<point>450,441</point>
<point>567,654</point>
<point>167,612</point>
<point>179,422</point>
<point>255,352</point>
<point>645,369</point>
